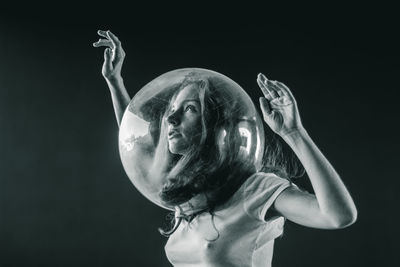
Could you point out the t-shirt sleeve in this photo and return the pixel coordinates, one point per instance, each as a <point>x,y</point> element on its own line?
<point>260,192</point>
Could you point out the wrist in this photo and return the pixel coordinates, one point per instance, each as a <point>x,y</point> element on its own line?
<point>294,134</point>
<point>114,81</point>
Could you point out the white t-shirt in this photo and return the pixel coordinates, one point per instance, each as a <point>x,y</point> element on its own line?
<point>238,235</point>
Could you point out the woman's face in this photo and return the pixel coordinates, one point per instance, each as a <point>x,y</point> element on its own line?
<point>184,120</point>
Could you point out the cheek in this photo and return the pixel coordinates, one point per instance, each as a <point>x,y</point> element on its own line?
<point>193,128</point>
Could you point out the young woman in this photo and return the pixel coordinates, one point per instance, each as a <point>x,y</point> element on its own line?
<point>227,214</point>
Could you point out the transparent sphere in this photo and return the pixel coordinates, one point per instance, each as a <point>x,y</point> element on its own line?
<point>179,112</point>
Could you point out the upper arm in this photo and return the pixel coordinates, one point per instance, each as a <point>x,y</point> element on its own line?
<point>302,208</point>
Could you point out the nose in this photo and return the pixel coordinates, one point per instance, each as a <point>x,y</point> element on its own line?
<point>173,118</point>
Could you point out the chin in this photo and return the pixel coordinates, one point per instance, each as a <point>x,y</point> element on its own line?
<point>176,151</point>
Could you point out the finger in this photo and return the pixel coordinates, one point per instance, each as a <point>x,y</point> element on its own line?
<point>103,42</point>
<point>114,39</point>
<point>287,91</point>
<point>108,59</point>
<point>265,108</point>
<point>112,36</point>
<point>264,89</point>
<point>102,33</point>
<point>284,88</point>
<point>277,90</point>
<point>268,85</point>
<point>119,52</point>
<point>263,78</point>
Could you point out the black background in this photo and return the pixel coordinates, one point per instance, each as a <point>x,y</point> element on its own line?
<point>64,197</point>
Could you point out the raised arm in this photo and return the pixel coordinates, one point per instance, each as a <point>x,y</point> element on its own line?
<point>113,59</point>
<point>332,206</point>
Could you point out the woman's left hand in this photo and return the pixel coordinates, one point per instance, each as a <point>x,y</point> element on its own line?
<point>279,107</point>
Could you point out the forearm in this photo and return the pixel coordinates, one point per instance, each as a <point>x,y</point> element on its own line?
<point>333,198</point>
<point>119,96</point>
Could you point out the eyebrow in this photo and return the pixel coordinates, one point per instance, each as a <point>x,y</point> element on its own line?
<point>188,100</point>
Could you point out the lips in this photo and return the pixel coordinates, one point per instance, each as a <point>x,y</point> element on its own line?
<point>173,134</point>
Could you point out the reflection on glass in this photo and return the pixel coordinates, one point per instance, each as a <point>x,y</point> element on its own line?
<point>230,127</point>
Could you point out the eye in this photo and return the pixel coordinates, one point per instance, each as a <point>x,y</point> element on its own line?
<point>190,107</point>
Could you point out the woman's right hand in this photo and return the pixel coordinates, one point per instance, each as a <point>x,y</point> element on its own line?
<point>113,55</point>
